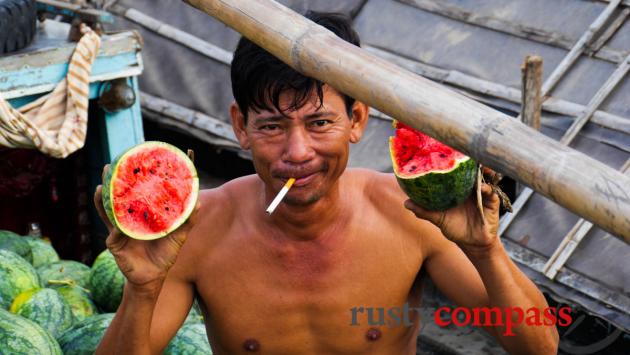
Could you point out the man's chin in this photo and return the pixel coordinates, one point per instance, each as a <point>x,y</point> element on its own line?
<point>302,200</point>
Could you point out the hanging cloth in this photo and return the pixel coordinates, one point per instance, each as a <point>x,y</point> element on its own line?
<point>55,123</point>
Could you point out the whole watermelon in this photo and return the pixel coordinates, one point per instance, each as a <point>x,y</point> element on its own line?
<point>79,300</point>
<point>106,282</point>
<point>15,243</point>
<point>45,307</point>
<point>191,339</point>
<point>433,175</point>
<point>20,336</point>
<point>42,252</point>
<point>83,337</point>
<point>16,276</point>
<point>64,270</point>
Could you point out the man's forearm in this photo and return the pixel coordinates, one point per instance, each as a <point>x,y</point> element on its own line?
<point>129,332</point>
<point>508,287</point>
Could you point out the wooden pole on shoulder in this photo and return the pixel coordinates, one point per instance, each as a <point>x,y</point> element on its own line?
<point>583,185</point>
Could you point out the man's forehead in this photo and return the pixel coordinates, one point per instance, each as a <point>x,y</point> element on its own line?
<point>311,108</point>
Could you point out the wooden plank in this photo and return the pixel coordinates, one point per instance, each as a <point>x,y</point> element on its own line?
<point>597,100</point>
<point>469,82</point>
<point>624,2</point>
<point>578,48</point>
<point>532,71</point>
<point>195,43</point>
<point>609,32</point>
<point>581,184</point>
<point>571,241</point>
<point>189,120</point>
<point>509,27</point>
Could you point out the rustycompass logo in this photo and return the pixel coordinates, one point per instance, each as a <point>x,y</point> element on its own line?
<point>508,317</point>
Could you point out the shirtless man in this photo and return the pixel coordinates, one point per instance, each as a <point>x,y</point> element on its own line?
<point>342,238</point>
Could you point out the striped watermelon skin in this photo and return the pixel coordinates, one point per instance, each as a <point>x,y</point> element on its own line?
<point>79,300</point>
<point>195,315</point>
<point>83,337</point>
<point>42,252</point>
<point>15,243</point>
<point>21,336</point>
<point>191,339</point>
<point>441,191</point>
<point>16,276</point>
<point>106,282</point>
<point>65,270</point>
<point>45,307</point>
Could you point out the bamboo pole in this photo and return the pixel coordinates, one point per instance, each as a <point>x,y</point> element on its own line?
<point>610,31</point>
<point>485,87</point>
<point>581,184</point>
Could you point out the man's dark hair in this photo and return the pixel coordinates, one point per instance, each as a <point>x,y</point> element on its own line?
<point>259,78</point>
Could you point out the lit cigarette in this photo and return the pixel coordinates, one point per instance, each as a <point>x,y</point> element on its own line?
<point>280,196</point>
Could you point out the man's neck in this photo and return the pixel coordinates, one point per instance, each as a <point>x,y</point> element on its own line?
<point>310,221</point>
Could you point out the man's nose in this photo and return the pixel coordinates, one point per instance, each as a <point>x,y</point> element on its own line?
<point>298,148</point>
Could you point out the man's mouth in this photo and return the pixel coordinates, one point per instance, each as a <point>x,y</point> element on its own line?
<point>301,180</point>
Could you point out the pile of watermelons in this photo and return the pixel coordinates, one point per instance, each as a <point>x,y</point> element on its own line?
<point>53,306</point>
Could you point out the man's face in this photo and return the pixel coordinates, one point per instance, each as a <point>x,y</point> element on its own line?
<point>310,144</point>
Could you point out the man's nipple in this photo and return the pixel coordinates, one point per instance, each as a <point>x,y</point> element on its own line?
<point>251,345</point>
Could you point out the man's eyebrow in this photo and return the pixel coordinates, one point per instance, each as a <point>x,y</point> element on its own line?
<point>274,118</point>
<point>319,114</point>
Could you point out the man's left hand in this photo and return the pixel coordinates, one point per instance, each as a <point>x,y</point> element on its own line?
<point>463,224</point>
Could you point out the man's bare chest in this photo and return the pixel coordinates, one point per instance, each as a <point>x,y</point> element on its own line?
<point>308,299</point>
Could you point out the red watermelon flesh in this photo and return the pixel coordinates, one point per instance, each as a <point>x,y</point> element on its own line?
<point>150,190</point>
<point>418,153</point>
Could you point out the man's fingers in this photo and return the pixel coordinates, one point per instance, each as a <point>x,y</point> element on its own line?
<point>98,203</point>
<point>435,217</point>
<point>105,170</point>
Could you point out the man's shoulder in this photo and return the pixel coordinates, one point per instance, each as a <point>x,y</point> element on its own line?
<point>218,207</point>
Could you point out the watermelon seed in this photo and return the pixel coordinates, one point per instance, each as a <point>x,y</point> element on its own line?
<point>136,170</point>
<point>130,210</point>
<point>442,155</point>
<point>166,208</point>
<point>152,171</point>
<point>146,215</point>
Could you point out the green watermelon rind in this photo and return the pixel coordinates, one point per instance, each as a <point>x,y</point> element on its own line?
<point>438,190</point>
<point>64,270</point>
<point>42,252</point>
<point>49,309</point>
<point>83,337</point>
<point>79,301</point>
<point>107,192</point>
<point>191,339</point>
<point>106,282</point>
<point>16,243</point>
<point>16,276</point>
<point>19,335</point>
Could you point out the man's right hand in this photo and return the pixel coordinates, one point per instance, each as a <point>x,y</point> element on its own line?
<point>144,263</point>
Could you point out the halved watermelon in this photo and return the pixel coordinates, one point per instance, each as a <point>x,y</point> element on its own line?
<point>150,190</point>
<point>433,175</point>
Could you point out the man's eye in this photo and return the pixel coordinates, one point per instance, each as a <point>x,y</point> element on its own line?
<point>269,127</point>
<point>320,123</point>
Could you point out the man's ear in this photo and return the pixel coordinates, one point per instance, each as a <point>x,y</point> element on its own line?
<point>360,114</point>
<point>238,125</point>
